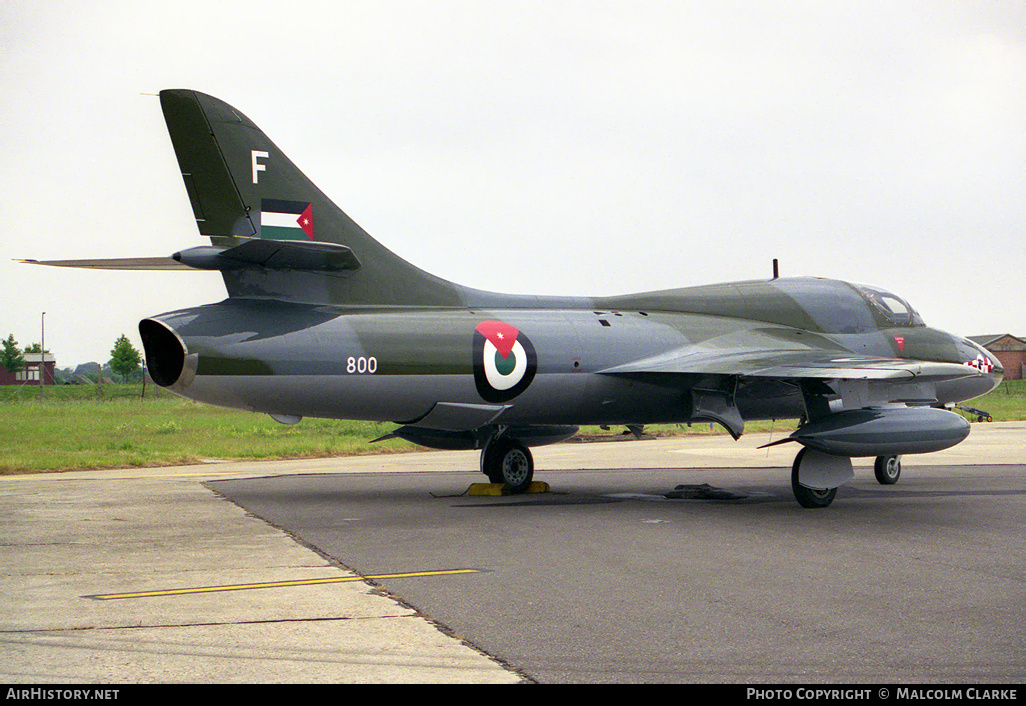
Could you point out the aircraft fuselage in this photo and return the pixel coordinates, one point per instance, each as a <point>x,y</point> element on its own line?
<point>389,364</point>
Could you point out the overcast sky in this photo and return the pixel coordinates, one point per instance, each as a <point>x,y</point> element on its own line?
<point>556,148</point>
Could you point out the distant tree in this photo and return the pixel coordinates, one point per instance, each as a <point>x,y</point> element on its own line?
<point>11,357</point>
<point>124,358</point>
<point>36,347</point>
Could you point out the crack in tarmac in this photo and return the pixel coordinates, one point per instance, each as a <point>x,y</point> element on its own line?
<point>202,624</point>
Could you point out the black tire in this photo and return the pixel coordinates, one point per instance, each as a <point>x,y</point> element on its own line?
<point>809,497</point>
<point>509,461</point>
<point>887,469</point>
<point>489,466</point>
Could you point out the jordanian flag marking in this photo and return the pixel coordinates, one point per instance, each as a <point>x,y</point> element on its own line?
<point>286,220</point>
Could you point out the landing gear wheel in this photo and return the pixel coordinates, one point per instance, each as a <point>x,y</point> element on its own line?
<point>509,461</point>
<point>887,469</point>
<point>809,497</point>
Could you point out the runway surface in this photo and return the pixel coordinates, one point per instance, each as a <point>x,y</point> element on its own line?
<point>120,576</point>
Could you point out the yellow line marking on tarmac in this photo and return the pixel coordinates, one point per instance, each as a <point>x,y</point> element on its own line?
<point>278,584</point>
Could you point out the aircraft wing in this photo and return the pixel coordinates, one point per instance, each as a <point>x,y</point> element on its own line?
<point>860,380</point>
<point>791,365</point>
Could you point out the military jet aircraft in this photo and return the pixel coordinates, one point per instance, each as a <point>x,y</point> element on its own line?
<point>321,320</point>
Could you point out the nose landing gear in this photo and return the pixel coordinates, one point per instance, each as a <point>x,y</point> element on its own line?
<point>887,469</point>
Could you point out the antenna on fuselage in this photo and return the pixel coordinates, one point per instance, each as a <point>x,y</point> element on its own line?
<point>776,269</point>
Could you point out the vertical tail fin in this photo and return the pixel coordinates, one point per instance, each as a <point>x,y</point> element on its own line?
<point>241,186</point>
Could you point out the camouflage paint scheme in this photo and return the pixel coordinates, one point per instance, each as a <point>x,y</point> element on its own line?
<point>337,326</point>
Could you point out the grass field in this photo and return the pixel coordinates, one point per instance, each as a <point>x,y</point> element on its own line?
<point>70,428</point>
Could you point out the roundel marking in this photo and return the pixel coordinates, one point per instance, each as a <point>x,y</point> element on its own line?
<point>504,361</point>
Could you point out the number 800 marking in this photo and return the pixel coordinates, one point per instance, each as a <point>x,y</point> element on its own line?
<point>361,365</point>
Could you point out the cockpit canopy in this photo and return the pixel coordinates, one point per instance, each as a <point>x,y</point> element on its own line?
<point>894,309</point>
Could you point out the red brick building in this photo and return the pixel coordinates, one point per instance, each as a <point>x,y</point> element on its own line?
<point>30,373</point>
<point>1008,349</point>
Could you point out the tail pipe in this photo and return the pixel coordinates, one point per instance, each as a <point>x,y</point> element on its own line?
<point>167,358</point>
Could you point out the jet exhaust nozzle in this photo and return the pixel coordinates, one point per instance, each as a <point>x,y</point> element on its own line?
<point>884,432</point>
<point>166,355</point>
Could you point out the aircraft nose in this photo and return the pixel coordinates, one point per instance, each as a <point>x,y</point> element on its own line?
<point>985,361</point>
<point>979,358</point>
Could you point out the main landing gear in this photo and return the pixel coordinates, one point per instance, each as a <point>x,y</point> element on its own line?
<point>508,461</point>
<point>806,496</point>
